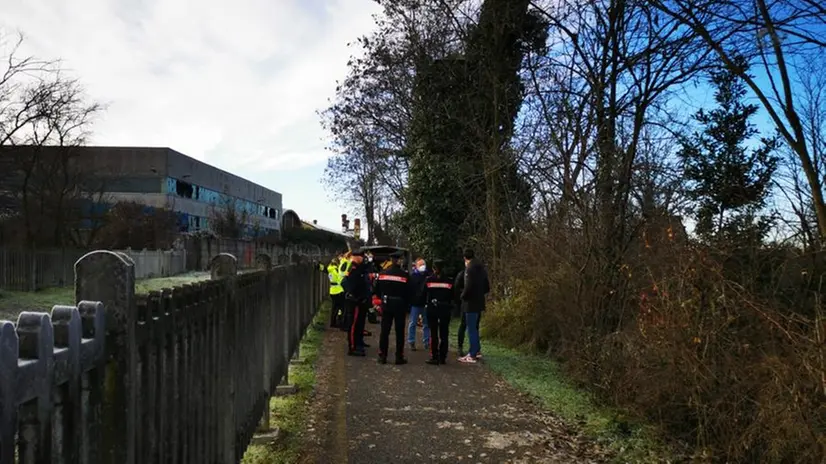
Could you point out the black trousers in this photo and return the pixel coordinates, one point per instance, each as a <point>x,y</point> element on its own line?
<point>392,315</point>
<point>463,328</point>
<point>358,312</point>
<point>438,319</point>
<point>338,305</point>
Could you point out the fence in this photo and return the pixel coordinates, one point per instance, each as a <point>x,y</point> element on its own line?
<point>157,263</point>
<point>29,270</point>
<point>179,376</point>
<point>201,250</point>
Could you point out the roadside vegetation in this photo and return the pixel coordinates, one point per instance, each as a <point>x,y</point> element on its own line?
<point>628,439</point>
<point>288,413</point>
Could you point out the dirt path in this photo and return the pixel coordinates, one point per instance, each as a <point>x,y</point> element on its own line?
<point>364,412</point>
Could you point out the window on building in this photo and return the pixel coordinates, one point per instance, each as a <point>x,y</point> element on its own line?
<point>184,189</point>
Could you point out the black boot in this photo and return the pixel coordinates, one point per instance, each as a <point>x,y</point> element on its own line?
<point>382,360</point>
<point>432,362</point>
<point>400,361</point>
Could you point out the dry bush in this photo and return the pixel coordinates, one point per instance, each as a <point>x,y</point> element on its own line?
<point>539,312</point>
<point>732,362</point>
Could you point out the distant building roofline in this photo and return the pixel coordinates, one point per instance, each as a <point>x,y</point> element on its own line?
<point>310,225</point>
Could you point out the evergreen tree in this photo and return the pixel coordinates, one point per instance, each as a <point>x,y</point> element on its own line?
<point>729,181</point>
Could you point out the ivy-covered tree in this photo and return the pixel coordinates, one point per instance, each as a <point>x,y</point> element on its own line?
<point>729,177</point>
<point>436,197</point>
<point>463,181</point>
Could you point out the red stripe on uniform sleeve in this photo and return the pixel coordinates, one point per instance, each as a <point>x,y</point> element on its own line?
<point>439,285</point>
<point>393,278</point>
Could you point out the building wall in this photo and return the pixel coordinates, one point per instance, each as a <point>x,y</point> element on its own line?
<point>134,162</point>
<point>182,167</point>
<point>196,214</point>
<point>162,177</point>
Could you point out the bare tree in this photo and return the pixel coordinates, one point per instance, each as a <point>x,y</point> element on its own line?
<point>43,116</point>
<point>777,38</point>
<point>796,192</point>
<point>227,220</point>
<point>370,117</point>
<point>595,101</point>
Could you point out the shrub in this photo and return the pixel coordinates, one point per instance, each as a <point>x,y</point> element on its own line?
<point>723,349</point>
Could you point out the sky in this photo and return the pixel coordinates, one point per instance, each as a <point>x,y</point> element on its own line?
<point>234,84</point>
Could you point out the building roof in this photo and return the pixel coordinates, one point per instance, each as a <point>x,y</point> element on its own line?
<point>308,225</point>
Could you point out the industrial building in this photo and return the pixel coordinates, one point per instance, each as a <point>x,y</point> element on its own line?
<point>165,178</point>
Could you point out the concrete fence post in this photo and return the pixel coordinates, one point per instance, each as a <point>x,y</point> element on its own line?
<point>109,277</point>
<point>223,265</point>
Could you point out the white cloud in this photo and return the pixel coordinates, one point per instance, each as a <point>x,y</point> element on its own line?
<point>239,82</point>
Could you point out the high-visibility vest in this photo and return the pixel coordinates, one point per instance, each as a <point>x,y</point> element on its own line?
<point>335,279</point>
<point>344,267</point>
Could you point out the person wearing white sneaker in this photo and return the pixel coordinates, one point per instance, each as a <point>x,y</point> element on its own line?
<point>473,302</point>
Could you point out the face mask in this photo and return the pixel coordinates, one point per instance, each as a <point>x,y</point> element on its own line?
<point>422,268</point>
<point>370,259</point>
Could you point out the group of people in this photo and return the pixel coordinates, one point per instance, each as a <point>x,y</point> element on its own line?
<point>358,285</point>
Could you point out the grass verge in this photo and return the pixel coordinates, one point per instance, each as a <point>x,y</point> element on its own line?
<point>13,303</point>
<point>289,413</point>
<point>542,378</point>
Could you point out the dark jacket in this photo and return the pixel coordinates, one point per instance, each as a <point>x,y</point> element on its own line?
<point>475,288</point>
<point>417,287</point>
<point>356,283</point>
<point>439,292</point>
<point>393,287</point>
<point>458,286</point>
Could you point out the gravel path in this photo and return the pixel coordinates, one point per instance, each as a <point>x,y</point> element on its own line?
<point>364,412</point>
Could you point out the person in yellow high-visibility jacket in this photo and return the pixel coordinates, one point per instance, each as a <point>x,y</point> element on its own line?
<point>343,268</point>
<point>336,293</point>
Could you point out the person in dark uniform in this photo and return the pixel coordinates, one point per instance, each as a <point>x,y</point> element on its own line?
<point>357,294</point>
<point>439,297</point>
<point>393,287</point>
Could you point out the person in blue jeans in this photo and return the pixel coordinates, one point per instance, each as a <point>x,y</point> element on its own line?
<point>417,305</point>
<point>474,291</point>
